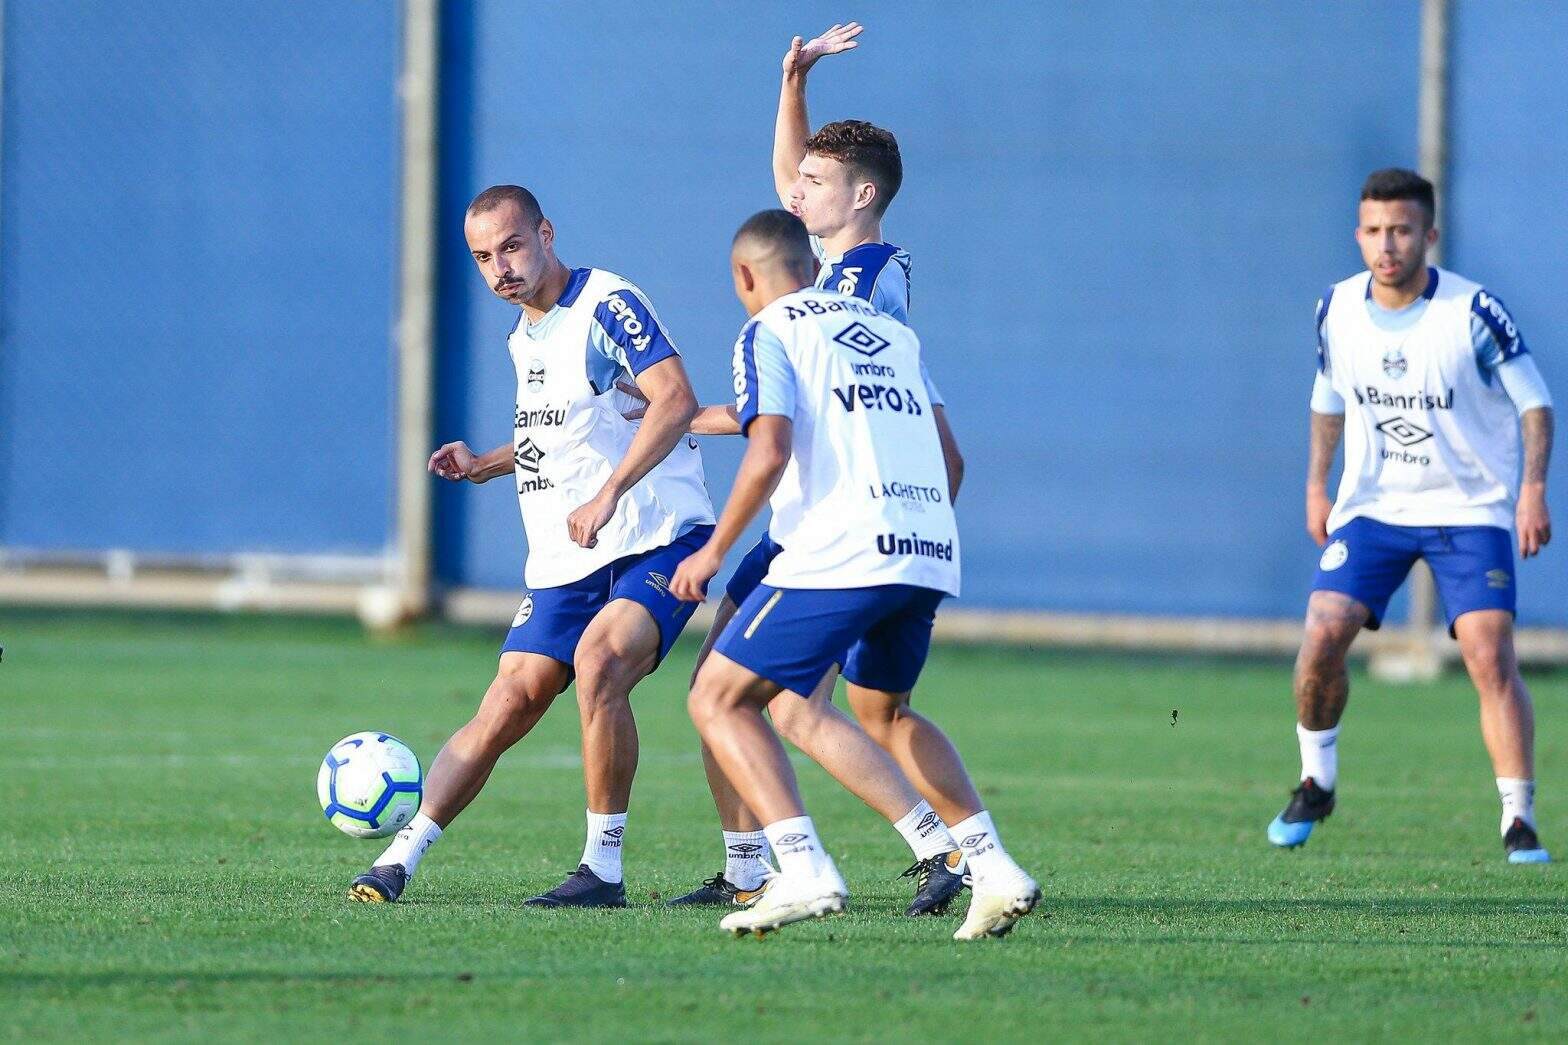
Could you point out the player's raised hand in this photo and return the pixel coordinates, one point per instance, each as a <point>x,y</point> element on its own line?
<point>454,461</point>
<point>1532,520</point>
<point>1318,508</point>
<point>585,523</point>
<point>803,55</point>
<point>690,583</point>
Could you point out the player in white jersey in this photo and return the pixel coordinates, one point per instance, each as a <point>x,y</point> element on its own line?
<point>841,181</point>
<point>1430,383</point>
<point>610,508</point>
<point>843,443</point>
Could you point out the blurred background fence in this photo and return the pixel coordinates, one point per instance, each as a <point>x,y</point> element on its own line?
<point>221,290</point>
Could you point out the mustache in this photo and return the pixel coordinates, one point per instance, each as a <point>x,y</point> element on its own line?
<point>506,284</point>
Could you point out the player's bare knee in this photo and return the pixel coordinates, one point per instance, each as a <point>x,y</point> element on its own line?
<point>510,707</point>
<point>879,718</point>
<point>1490,668</point>
<point>794,718</point>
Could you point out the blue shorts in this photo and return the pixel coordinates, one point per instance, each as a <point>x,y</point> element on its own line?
<point>752,569</point>
<point>1368,560</point>
<point>791,636</point>
<point>550,621</point>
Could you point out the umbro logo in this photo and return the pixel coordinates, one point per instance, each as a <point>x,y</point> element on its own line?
<point>792,839</point>
<point>973,840</point>
<point>745,848</point>
<point>615,832</point>
<point>528,455</point>
<point>658,582</point>
<point>862,339</point>
<point>1404,432</point>
<point>926,823</point>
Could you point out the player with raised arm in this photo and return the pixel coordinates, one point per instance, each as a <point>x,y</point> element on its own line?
<point>840,182</point>
<point>609,507</point>
<point>860,571</point>
<point>1428,380</point>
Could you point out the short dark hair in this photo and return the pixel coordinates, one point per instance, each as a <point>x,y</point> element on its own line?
<point>778,232</point>
<point>868,150</point>
<point>497,195</point>
<point>1397,183</point>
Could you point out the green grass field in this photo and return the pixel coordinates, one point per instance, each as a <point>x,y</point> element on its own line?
<point>165,870</point>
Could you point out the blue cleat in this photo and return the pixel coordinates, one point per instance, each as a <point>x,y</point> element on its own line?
<point>1522,845</point>
<point>582,888</point>
<point>938,881</point>
<point>1309,803</point>
<point>382,884</point>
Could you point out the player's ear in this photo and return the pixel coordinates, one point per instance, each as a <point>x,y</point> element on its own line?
<point>865,194</point>
<point>546,232</point>
<point>1431,237</point>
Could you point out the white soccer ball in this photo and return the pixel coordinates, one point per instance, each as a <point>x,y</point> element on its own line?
<point>370,784</point>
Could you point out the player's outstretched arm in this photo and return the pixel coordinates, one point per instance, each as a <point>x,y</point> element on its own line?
<point>671,406</point>
<point>1531,518</point>
<point>455,461</point>
<point>950,454</point>
<point>768,445</point>
<point>1326,432</point>
<point>720,419</point>
<point>791,128</point>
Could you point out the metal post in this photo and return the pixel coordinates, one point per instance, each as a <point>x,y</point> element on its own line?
<point>418,87</point>
<point>1421,655</point>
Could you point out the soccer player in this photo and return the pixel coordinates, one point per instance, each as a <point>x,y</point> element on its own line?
<point>1427,378</point>
<point>609,508</point>
<point>838,421</point>
<point>840,182</point>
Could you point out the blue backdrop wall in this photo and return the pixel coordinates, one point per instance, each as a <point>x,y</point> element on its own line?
<point>197,267</point>
<point>1120,218</point>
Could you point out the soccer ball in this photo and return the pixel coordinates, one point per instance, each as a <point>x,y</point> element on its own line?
<point>370,785</point>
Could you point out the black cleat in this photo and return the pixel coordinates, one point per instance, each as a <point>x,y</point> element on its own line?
<point>938,879</point>
<point>582,888</point>
<point>716,892</point>
<point>382,884</point>
<point>1308,804</point>
<point>1523,846</point>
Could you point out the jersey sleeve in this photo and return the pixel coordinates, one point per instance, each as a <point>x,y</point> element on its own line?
<point>890,291</point>
<point>764,376</point>
<point>931,389</point>
<point>626,331</point>
<point>1493,333</point>
<point>1324,399</point>
<point>1523,382</point>
<point>1322,312</point>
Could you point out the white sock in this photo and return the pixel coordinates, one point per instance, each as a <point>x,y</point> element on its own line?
<point>797,847</point>
<point>925,832</point>
<point>1518,800</point>
<point>1319,754</point>
<point>744,852</point>
<point>602,850</point>
<point>409,845</point>
<point>988,861</point>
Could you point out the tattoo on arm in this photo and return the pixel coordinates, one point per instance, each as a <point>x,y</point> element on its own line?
<point>1535,429</point>
<point>1326,432</point>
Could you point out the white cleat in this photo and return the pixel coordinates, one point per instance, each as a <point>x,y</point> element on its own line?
<point>994,909</point>
<point>787,899</point>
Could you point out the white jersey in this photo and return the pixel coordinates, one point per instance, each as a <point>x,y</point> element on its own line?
<point>570,433</point>
<point>864,499</point>
<point>1431,436</point>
